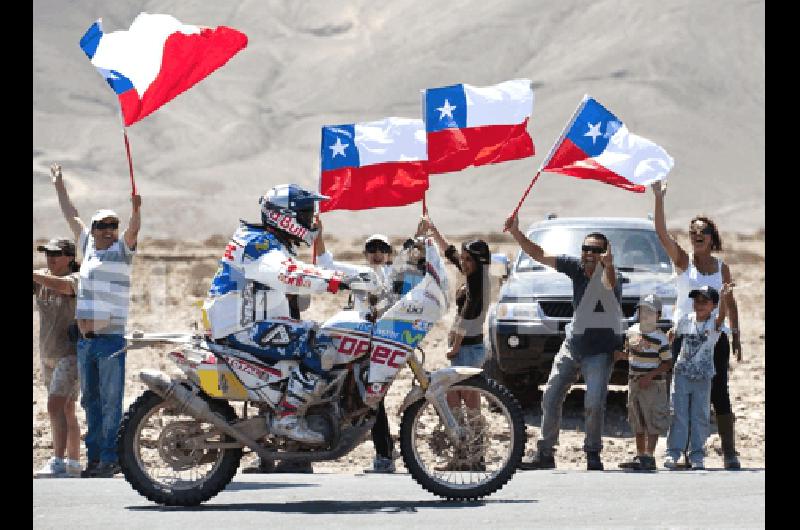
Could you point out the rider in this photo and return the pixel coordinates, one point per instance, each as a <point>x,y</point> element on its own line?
<point>247,308</point>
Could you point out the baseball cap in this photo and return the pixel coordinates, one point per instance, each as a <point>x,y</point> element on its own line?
<point>58,244</point>
<point>650,301</point>
<point>707,291</point>
<point>102,214</point>
<point>378,237</point>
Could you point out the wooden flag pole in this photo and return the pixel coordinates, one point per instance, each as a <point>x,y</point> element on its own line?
<point>424,204</point>
<point>130,160</point>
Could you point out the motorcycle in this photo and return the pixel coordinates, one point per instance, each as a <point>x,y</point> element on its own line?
<point>181,441</point>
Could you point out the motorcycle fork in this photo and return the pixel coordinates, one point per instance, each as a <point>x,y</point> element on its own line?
<point>454,431</point>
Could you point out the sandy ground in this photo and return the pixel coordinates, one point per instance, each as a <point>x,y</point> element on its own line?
<point>170,277</point>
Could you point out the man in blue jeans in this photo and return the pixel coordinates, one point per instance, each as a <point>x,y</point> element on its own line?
<point>101,314</point>
<point>591,338</point>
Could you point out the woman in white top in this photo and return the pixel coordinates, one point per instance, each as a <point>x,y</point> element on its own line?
<point>695,269</point>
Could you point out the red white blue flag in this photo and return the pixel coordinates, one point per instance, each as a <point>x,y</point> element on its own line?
<point>157,58</point>
<point>373,164</point>
<point>474,126</point>
<point>597,145</point>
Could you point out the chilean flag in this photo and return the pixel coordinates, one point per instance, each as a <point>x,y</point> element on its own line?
<point>157,58</point>
<point>597,145</point>
<point>474,126</point>
<point>373,164</point>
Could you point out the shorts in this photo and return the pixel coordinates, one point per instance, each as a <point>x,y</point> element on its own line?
<point>61,376</point>
<point>648,408</point>
<point>472,355</point>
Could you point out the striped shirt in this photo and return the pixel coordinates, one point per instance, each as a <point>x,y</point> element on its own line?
<point>105,283</point>
<point>653,350</point>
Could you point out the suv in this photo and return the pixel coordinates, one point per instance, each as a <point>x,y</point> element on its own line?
<point>526,325</point>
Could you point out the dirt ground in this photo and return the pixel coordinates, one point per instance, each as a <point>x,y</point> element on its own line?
<point>170,277</point>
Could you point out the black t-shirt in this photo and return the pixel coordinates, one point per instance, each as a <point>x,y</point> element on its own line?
<point>469,302</point>
<point>592,341</point>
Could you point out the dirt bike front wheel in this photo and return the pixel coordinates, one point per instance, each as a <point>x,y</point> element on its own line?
<point>484,460</point>
<point>158,458</point>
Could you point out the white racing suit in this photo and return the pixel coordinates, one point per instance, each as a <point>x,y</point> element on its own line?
<point>247,307</point>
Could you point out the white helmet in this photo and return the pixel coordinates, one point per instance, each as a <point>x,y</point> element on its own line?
<point>290,209</point>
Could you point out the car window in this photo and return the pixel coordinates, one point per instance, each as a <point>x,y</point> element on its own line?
<point>635,249</point>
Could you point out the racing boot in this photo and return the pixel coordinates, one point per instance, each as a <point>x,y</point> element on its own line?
<point>289,419</point>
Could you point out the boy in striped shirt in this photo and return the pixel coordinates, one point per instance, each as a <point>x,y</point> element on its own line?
<point>649,357</point>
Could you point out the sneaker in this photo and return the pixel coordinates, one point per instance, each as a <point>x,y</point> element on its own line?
<point>73,468</point>
<point>634,463</point>
<point>647,463</point>
<point>731,462</point>
<point>670,462</point>
<point>540,461</point>
<point>381,464</point>
<point>105,470</point>
<point>90,467</point>
<point>53,468</point>
<point>593,462</point>
<point>698,465</point>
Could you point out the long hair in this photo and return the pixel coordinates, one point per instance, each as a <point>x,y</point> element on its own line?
<point>716,241</point>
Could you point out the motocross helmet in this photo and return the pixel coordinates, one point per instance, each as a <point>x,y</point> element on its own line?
<point>289,208</point>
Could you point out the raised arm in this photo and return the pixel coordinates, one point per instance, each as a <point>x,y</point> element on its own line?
<point>426,225</point>
<point>674,251</point>
<point>132,232</point>
<point>67,208</point>
<point>529,247</point>
<point>320,243</point>
<point>62,285</point>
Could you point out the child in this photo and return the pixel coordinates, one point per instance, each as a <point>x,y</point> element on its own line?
<point>696,335</point>
<point>649,357</point>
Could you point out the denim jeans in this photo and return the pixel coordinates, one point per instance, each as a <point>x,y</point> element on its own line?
<point>690,401</point>
<point>470,355</point>
<point>102,377</point>
<point>596,370</point>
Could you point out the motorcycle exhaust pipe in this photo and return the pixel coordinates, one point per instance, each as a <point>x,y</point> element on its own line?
<point>193,405</point>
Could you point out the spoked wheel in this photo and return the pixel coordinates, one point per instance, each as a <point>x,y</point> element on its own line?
<point>160,456</point>
<point>483,460</point>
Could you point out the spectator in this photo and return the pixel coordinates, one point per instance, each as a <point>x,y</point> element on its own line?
<point>695,270</point>
<point>591,338</point>
<point>377,253</point>
<point>54,288</point>
<point>101,312</point>
<point>696,335</point>
<point>649,358</point>
<point>465,340</point>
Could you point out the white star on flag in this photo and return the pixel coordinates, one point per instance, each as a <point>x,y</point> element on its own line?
<point>594,131</point>
<point>338,148</point>
<point>446,110</point>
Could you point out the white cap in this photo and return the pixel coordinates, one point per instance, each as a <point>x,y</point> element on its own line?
<point>102,214</point>
<point>378,237</point>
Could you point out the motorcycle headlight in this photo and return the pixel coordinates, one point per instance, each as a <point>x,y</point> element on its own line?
<point>517,311</point>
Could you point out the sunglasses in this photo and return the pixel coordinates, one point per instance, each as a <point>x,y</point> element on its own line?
<point>705,231</point>
<point>55,253</point>
<point>593,249</point>
<point>377,246</point>
<point>100,225</point>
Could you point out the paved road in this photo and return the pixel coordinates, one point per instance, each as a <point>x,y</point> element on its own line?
<point>572,498</point>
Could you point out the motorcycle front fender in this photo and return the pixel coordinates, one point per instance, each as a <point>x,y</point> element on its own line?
<point>440,381</point>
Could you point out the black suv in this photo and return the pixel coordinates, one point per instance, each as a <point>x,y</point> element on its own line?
<point>526,325</point>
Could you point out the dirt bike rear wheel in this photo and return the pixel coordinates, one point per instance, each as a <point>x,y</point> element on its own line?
<point>159,467</point>
<point>481,464</point>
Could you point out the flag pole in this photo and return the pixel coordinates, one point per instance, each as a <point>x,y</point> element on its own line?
<point>424,204</point>
<point>558,141</point>
<point>130,160</point>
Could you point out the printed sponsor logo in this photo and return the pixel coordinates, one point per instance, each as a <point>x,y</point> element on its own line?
<point>421,325</point>
<point>387,334</point>
<point>410,339</point>
<point>288,224</point>
<point>412,307</point>
<point>383,355</point>
<point>277,335</point>
<point>353,346</point>
<point>376,388</point>
<point>299,281</point>
<point>252,369</point>
<point>230,248</point>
